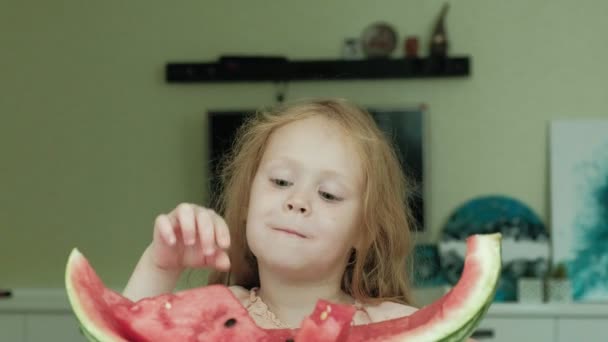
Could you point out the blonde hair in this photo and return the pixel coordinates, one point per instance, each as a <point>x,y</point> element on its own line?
<point>379,268</point>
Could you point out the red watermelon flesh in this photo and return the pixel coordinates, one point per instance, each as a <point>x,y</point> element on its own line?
<point>213,313</point>
<point>192,315</point>
<point>210,313</point>
<point>329,322</point>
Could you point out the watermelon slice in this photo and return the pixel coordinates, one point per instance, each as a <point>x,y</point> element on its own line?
<point>213,313</point>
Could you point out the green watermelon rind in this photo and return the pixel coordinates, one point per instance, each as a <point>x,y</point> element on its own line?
<point>90,330</point>
<point>481,298</point>
<point>467,329</point>
<point>88,335</point>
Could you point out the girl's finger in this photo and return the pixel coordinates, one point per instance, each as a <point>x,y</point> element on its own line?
<point>164,229</point>
<point>222,234</point>
<point>221,261</point>
<point>206,231</point>
<point>185,216</point>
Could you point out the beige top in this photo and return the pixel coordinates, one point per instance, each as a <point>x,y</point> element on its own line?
<point>263,317</point>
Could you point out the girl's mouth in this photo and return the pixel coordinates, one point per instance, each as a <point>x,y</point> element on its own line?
<point>290,232</point>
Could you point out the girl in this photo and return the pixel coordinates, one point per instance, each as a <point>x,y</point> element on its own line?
<point>313,206</point>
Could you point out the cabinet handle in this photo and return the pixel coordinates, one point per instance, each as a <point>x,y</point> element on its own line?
<point>483,334</point>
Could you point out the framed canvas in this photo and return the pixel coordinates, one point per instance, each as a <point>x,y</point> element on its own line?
<point>579,205</point>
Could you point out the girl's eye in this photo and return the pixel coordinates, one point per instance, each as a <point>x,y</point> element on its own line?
<point>280,182</point>
<point>329,197</point>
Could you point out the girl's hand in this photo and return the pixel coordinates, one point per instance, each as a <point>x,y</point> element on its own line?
<point>190,236</point>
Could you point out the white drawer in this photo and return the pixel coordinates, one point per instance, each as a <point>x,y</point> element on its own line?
<point>582,329</point>
<point>516,329</point>
<point>12,327</point>
<point>53,327</point>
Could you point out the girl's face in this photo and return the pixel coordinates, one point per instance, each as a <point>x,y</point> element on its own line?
<point>306,200</point>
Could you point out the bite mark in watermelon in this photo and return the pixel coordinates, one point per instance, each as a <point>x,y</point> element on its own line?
<point>213,313</point>
<point>328,323</point>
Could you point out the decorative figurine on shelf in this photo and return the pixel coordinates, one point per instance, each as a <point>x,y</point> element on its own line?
<point>439,40</point>
<point>351,49</point>
<point>379,40</point>
<point>411,46</point>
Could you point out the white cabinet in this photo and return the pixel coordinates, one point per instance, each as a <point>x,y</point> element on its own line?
<point>36,315</point>
<point>39,327</point>
<point>535,322</point>
<point>546,322</point>
<point>12,327</point>
<point>52,327</point>
<point>514,329</point>
<point>582,329</point>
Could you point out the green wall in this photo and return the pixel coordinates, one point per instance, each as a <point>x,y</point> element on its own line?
<point>94,144</point>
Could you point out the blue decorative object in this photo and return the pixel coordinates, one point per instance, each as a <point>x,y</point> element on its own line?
<point>427,269</point>
<point>525,244</point>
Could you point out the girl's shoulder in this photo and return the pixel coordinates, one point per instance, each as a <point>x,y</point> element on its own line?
<point>388,310</point>
<point>240,292</point>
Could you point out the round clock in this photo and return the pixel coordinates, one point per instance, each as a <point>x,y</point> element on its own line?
<point>379,40</point>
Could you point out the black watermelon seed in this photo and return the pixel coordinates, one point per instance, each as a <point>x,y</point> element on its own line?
<point>230,323</point>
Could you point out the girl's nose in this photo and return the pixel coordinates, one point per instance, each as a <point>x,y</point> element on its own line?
<point>297,205</point>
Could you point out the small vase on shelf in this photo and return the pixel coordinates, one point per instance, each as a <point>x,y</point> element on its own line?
<point>559,289</point>
<point>439,41</point>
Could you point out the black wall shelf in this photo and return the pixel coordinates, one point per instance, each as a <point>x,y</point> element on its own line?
<point>278,69</point>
